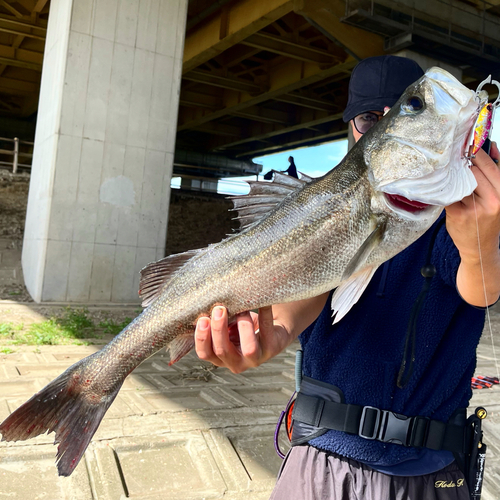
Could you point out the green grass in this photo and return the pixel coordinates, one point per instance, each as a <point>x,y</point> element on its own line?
<point>9,329</point>
<point>110,327</point>
<point>69,328</point>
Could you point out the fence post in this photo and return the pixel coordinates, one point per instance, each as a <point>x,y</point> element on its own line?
<point>16,155</point>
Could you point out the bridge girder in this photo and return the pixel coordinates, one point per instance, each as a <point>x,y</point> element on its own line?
<point>268,75</point>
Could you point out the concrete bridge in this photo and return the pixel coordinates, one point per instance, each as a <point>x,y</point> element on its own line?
<point>125,94</point>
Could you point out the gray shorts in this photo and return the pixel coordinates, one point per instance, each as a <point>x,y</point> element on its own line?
<point>310,474</point>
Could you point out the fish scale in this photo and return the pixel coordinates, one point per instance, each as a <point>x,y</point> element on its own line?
<point>299,239</point>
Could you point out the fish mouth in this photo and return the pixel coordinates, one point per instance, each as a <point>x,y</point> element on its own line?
<point>405,204</point>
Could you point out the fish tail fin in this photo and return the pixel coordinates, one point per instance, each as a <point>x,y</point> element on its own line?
<point>65,408</point>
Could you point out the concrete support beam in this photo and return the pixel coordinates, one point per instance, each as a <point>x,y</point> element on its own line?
<point>460,17</point>
<point>283,79</point>
<point>39,25</point>
<point>281,46</point>
<point>261,114</point>
<point>210,78</point>
<point>229,26</point>
<point>21,58</point>
<point>308,120</point>
<point>18,87</point>
<point>326,15</point>
<point>20,64</point>
<point>199,100</point>
<point>10,8</point>
<point>308,102</point>
<point>22,33</point>
<point>298,139</point>
<point>40,6</point>
<point>104,147</point>
<point>305,65</point>
<point>427,62</point>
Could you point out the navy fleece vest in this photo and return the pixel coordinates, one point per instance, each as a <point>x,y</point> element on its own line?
<point>362,353</point>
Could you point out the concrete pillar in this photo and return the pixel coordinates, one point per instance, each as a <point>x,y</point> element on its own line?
<point>104,145</point>
<point>426,62</point>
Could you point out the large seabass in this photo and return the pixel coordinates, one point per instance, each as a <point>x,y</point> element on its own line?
<point>299,238</point>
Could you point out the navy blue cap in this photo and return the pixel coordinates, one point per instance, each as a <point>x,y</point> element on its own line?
<point>377,82</point>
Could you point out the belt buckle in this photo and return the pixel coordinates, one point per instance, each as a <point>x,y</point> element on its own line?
<point>395,428</point>
<point>375,432</point>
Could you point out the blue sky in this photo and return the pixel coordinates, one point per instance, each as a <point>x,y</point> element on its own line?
<point>314,161</point>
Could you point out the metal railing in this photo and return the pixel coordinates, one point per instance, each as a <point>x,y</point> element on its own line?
<point>16,153</point>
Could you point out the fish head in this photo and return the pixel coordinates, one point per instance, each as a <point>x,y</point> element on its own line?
<point>416,153</point>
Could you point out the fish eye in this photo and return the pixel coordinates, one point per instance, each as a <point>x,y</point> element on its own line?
<point>413,105</point>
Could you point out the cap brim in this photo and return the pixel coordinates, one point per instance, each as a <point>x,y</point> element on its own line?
<point>372,104</point>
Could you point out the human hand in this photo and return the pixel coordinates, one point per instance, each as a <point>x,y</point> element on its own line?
<point>474,226</point>
<point>249,341</point>
<point>482,209</point>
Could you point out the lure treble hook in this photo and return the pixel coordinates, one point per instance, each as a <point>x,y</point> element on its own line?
<point>484,123</point>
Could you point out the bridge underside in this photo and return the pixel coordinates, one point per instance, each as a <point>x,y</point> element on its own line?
<point>125,104</point>
<point>263,76</point>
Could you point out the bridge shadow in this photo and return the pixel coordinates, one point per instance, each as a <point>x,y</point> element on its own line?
<point>212,429</point>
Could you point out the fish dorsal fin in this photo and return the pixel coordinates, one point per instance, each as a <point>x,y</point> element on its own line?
<point>349,292</point>
<point>305,177</point>
<point>288,180</point>
<point>372,242</point>
<point>264,196</point>
<point>156,274</point>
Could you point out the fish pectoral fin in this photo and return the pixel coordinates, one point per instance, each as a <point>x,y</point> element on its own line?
<point>370,244</point>
<point>180,346</point>
<point>349,292</point>
<point>155,275</point>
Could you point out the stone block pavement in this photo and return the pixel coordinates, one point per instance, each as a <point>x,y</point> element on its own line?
<point>190,431</point>
<point>186,432</point>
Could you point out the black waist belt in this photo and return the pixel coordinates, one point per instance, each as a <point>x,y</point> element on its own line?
<point>381,425</point>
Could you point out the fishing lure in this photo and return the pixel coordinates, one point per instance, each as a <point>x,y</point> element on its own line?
<point>484,122</point>
<point>482,128</point>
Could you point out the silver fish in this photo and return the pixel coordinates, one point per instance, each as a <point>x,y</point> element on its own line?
<point>299,239</point>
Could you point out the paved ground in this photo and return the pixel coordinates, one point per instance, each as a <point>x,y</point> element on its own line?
<point>190,431</point>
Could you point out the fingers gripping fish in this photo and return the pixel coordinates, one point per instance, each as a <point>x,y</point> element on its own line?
<point>299,239</point>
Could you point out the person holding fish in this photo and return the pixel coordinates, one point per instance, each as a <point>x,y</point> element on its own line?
<point>381,411</point>
<point>384,387</point>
